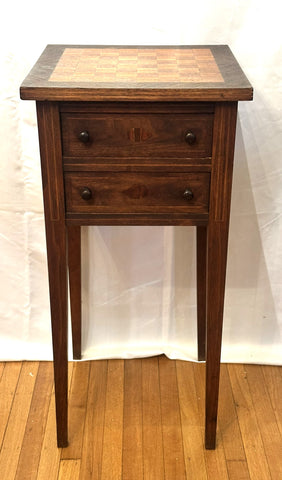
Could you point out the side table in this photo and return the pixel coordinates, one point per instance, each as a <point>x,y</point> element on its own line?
<point>136,135</point>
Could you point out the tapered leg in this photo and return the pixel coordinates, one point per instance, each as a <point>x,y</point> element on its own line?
<point>217,238</point>
<point>74,261</point>
<point>201,290</point>
<point>57,267</point>
<point>217,255</point>
<point>54,209</point>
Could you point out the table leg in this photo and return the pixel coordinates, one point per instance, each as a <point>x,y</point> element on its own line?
<point>217,240</point>
<point>74,261</point>
<point>57,268</point>
<point>201,290</point>
<point>53,195</point>
<point>217,256</point>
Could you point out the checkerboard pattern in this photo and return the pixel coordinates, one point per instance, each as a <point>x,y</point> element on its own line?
<point>137,65</point>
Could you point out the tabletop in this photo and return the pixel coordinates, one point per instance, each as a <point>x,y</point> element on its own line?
<point>166,73</point>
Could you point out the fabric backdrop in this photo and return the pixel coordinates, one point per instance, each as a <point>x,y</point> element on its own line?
<point>139,282</point>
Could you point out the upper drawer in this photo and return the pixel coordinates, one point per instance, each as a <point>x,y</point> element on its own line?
<point>137,135</point>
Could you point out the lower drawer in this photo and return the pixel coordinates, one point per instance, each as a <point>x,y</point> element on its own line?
<point>144,192</point>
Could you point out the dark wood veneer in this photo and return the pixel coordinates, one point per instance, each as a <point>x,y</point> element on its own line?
<point>118,151</point>
<point>143,135</point>
<point>137,193</point>
<point>235,87</point>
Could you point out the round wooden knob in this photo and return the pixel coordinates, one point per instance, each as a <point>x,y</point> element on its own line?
<point>84,136</point>
<point>188,194</point>
<point>190,138</point>
<point>86,193</point>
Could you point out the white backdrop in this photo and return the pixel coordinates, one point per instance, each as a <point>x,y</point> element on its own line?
<point>139,282</point>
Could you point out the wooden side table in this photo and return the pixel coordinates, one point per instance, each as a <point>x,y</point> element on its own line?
<point>136,136</point>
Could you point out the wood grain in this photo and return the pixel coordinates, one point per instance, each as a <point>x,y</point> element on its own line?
<point>113,429</point>
<point>228,421</point>
<point>137,193</point>
<point>50,457</point>
<point>152,424</point>
<point>74,264</point>
<point>217,244</point>
<point>249,413</point>
<point>69,470</point>
<point>136,65</point>
<point>132,454</point>
<point>188,219</point>
<point>77,408</point>
<point>200,73</point>
<point>238,470</point>
<point>174,463</point>
<point>270,434</point>
<point>15,431</point>
<point>8,384</point>
<point>201,291</point>
<point>54,209</point>
<point>273,380</point>
<point>216,466</point>
<point>223,155</point>
<point>36,423</point>
<point>143,134</point>
<point>191,421</point>
<point>92,451</point>
<point>251,434</point>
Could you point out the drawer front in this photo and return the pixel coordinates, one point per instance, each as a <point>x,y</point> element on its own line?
<point>137,135</point>
<point>125,192</point>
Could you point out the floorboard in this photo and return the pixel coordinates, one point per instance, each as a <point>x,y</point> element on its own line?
<point>140,419</point>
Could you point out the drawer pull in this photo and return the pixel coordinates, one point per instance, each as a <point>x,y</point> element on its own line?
<point>190,138</point>
<point>84,136</point>
<point>188,194</point>
<point>86,193</point>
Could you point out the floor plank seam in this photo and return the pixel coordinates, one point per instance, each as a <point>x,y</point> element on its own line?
<point>161,417</point>
<point>258,422</point>
<point>180,418</point>
<point>11,407</point>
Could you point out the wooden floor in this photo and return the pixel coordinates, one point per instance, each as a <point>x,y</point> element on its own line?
<point>140,419</point>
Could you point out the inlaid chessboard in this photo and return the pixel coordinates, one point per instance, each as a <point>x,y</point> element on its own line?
<point>136,73</point>
<point>140,65</point>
